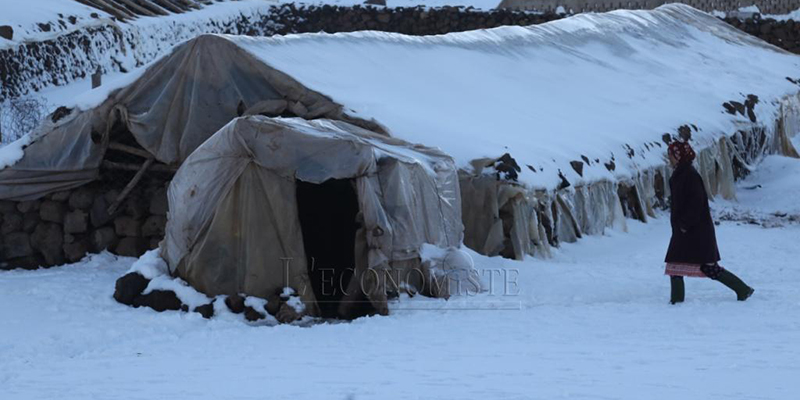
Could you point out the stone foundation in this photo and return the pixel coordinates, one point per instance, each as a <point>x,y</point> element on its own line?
<point>64,226</point>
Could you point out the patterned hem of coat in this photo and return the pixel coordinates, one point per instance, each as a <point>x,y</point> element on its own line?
<point>689,270</point>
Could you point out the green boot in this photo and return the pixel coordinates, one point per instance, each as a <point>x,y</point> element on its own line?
<point>677,290</point>
<point>727,278</point>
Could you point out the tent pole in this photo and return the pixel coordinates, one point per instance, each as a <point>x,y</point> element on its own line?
<point>136,178</point>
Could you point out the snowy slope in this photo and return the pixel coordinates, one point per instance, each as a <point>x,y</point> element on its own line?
<point>586,85</point>
<point>60,16</point>
<point>591,323</point>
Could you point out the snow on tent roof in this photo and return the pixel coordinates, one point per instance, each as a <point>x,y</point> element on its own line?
<point>589,85</point>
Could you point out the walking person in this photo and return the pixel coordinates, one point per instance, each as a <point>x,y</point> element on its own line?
<point>693,247</point>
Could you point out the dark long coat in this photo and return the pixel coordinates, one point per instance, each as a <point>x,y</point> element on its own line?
<point>693,238</point>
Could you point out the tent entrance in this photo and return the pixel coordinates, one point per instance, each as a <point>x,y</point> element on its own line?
<point>327,214</point>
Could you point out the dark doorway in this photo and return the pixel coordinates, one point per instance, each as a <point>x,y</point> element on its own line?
<point>328,221</point>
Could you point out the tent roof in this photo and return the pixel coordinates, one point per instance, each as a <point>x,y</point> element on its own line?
<point>589,85</point>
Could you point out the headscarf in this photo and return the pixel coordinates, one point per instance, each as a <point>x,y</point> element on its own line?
<point>681,151</point>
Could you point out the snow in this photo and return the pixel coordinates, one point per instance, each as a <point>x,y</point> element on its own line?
<point>750,9</point>
<point>24,18</point>
<point>13,152</point>
<point>549,93</point>
<point>794,15</point>
<point>592,322</point>
<point>770,197</point>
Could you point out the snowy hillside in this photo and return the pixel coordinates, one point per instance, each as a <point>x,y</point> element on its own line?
<point>548,94</point>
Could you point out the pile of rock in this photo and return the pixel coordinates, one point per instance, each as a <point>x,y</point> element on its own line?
<point>284,305</point>
<point>64,226</point>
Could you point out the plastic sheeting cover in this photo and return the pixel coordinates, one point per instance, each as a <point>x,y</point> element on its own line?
<point>233,219</point>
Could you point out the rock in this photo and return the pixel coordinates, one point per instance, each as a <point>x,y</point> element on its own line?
<point>30,221</point>
<point>7,206</point>
<point>564,182</point>
<point>81,199</point>
<point>76,250</point>
<point>207,310</point>
<point>611,166</point>
<point>76,222</point>
<point>68,238</point>
<point>154,243</point>
<point>135,208</point>
<point>287,314</point>
<point>111,196</point>
<point>129,287</point>
<point>26,206</point>
<point>376,3</point>
<point>252,315</point>
<point>273,304</point>
<point>577,166</point>
<point>60,113</point>
<point>103,238</point>
<point>235,303</point>
<point>131,247</point>
<point>60,196</point>
<point>52,211</point>
<point>159,204</point>
<point>159,300</point>
<point>507,168</point>
<point>6,32</point>
<point>730,109</point>
<point>739,107</point>
<point>48,238</point>
<point>99,212</point>
<point>17,244</point>
<point>127,226</point>
<point>383,18</point>
<point>751,115</point>
<point>34,261</point>
<point>12,222</point>
<point>154,226</point>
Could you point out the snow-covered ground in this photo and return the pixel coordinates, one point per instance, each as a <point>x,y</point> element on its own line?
<point>592,323</point>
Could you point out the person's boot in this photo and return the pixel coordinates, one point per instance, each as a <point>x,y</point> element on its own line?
<point>677,290</point>
<point>727,278</point>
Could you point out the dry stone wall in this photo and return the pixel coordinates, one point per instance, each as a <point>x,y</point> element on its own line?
<point>577,6</point>
<point>64,226</point>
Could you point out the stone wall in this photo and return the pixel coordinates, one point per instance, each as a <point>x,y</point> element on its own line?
<point>783,34</point>
<point>64,226</point>
<point>578,6</point>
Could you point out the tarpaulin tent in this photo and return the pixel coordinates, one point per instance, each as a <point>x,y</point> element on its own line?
<point>168,110</point>
<point>265,203</point>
